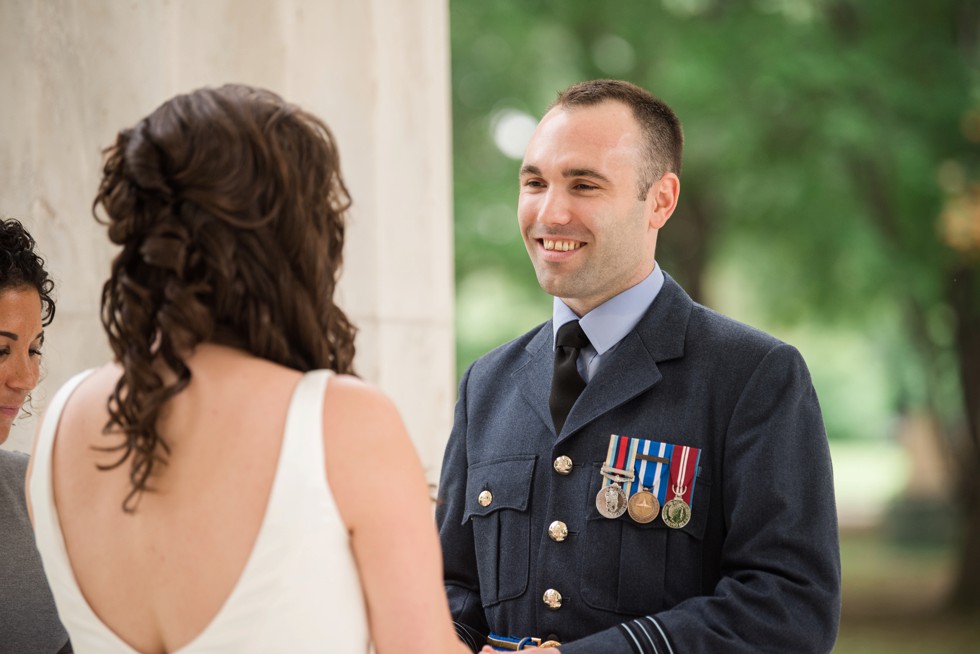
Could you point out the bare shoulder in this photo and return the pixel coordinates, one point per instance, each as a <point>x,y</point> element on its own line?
<point>353,388</point>
<point>87,404</point>
<point>363,435</point>
<point>361,422</point>
<point>352,405</point>
<point>84,411</point>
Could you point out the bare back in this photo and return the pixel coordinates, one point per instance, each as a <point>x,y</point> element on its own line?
<point>159,576</point>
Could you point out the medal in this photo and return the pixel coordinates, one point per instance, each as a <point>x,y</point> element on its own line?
<point>611,500</point>
<point>650,462</point>
<point>677,512</point>
<point>643,507</point>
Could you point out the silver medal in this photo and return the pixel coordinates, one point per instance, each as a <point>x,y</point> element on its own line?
<point>611,501</point>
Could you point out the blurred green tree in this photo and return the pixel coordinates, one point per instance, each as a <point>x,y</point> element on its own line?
<point>833,152</point>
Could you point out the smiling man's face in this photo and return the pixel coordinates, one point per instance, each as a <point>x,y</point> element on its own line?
<point>588,233</point>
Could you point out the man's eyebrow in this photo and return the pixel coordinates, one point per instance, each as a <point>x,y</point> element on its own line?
<point>585,172</point>
<point>571,172</point>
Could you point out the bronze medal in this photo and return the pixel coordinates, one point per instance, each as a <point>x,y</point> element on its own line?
<point>643,507</point>
<point>676,513</point>
<point>611,501</point>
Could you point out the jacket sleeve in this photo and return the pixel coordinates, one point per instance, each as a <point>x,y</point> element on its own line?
<point>780,559</point>
<point>458,552</point>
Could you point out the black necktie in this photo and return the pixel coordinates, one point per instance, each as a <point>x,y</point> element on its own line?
<point>566,384</point>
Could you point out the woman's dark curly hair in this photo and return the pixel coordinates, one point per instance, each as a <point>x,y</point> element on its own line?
<point>22,267</point>
<point>230,209</point>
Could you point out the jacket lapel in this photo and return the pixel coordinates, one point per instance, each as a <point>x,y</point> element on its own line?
<point>631,367</point>
<point>534,377</point>
<point>625,372</point>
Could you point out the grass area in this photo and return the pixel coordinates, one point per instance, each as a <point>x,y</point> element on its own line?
<point>894,593</point>
<point>893,597</point>
<point>926,635</point>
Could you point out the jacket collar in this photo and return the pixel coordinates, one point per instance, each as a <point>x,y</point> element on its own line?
<point>626,371</point>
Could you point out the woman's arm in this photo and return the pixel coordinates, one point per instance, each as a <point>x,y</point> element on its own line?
<point>377,480</point>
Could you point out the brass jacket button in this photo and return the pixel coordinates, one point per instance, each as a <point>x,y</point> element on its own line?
<point>552,599</point>
<point>558,531</point>
<point>563,465</point>
<point>485,498</point>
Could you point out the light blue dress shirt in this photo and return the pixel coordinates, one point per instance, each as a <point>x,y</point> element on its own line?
<point>608,323</point>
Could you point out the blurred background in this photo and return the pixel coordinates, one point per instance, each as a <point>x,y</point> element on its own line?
<point>830,195</point>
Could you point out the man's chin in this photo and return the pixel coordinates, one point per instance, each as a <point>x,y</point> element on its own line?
<point>553,286</point>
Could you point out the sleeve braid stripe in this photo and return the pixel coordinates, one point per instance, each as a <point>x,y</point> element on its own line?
<point>668,648</point>
<point>631,638</point>
<point>466,635</point>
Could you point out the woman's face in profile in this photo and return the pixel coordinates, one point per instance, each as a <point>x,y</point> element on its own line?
<point>21,337</point>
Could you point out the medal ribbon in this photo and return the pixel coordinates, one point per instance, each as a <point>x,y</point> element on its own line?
<point>620,455</point>
<point>650,473</point>
<point>684,471</point>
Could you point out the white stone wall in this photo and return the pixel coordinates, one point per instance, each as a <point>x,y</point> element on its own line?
<point>74,72</point>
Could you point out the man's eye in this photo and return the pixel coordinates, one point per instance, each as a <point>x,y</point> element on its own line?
<point>533,183</point>
<point>581,186</point>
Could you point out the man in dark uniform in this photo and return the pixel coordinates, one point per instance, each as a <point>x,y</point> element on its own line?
<point>639,474</point>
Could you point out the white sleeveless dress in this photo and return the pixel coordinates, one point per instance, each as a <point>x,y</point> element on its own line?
<point>299,591</point>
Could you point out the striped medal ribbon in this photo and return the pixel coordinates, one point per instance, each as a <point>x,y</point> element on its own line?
<point>683,473</point>
<point>652,459</point>
<point>617,473</point>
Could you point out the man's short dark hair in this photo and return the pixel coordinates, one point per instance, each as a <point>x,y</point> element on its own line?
<point>665,139</point>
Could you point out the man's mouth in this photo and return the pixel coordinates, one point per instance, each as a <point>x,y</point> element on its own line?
<point>561,246</point>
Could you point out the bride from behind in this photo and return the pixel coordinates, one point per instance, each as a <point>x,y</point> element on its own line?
<point>226,484</point>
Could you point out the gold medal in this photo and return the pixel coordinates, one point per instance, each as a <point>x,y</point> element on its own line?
<point>643,507</point>
<point>611,501</point>
<point>676,512</point>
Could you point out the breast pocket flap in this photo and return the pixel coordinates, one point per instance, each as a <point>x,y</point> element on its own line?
<point>499,484</point>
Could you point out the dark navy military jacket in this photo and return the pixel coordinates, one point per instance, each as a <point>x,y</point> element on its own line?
<point>757,568</point>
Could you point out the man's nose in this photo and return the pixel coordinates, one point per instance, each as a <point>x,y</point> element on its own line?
<point>555,209</point>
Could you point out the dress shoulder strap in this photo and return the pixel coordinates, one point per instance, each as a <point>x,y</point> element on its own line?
<point>302,445</point>
<point>47,529</point>
<point>42,495</point>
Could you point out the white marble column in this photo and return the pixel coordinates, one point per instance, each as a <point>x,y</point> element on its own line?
<point>74,72</point>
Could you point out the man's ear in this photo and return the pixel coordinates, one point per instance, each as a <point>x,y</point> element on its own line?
<point>662,199</point>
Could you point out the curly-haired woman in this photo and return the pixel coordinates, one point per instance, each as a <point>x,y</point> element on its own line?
<point>227,484</point>
<point>28,619</point>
